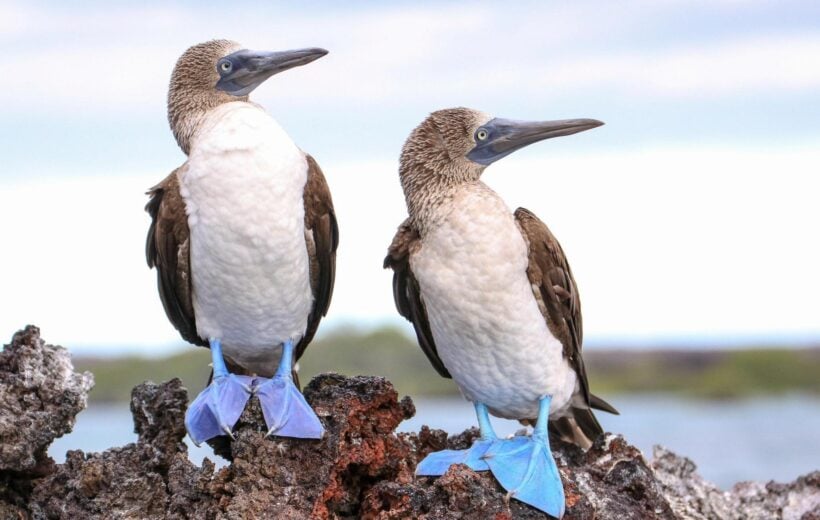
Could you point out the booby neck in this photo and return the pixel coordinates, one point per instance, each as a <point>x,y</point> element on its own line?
<point>191,93</point>
<point>428,195</point>
<point>186,123</point>
<point>433,168</point>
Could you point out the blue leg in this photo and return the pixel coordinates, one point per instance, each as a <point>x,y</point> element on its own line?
<point>216,409</point>
<point>438,462</point>
<point>286,412</point>
<point>525,468</point>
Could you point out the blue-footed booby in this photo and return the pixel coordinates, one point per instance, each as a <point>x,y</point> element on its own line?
<point>492,300</point>
<point>243,236</point>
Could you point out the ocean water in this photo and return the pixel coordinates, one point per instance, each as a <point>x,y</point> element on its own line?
<point>730,441</point>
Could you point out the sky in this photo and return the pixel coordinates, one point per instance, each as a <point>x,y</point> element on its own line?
<point>690,218</point>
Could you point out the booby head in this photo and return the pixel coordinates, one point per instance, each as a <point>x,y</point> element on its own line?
<point>456,145</point>
<point>220,71</point>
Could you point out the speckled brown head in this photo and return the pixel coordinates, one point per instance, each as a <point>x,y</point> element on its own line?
<point>220,71</point>
<point>455,145</point>
<point>437,149</point>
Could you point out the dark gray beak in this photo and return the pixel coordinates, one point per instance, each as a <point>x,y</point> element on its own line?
<point>243,71</point>
<point>501,137</point>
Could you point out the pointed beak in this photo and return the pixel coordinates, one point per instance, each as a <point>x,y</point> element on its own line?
<point>501,137</point>
<point>243,71</point>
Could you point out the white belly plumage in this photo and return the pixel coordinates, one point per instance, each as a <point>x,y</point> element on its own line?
<point>485,321</point>
<point>243,190</point>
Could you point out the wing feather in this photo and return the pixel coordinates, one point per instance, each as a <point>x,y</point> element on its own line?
<point>406,292</point>
<point>557,294</point>
<point>167,249</point>
<point>322,238</point>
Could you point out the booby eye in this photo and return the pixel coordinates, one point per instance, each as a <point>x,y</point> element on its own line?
<point>226,66</point>
<point>481,135</point>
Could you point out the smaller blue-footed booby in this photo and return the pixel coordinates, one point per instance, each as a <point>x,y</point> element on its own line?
<point>492,300</point>
<point>243,236</point>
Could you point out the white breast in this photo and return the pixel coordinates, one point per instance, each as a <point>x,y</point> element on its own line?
<point>243,190</point>
<point>485,321</point>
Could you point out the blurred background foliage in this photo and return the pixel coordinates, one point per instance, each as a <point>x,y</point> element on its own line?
<point>389,352</point>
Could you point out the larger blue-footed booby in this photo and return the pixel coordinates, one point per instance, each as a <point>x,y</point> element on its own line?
<point>492,299</point>
<point>243,237</point>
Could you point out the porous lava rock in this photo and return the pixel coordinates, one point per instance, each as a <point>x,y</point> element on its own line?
<point>361,468</point>
<point>694,498</point>
<point>40,397</point>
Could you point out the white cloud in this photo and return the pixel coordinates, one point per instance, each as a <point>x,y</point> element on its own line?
<point>751,64</point>
<point>693,241</point>
<point>114,67</point>
<point>15,20</point>
<point>664,241</point>
<point>121,58</point>
<point>73,262</point>
<point>669,240</point>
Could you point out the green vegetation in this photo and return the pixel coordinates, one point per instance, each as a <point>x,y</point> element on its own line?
<point>385,352</point>
<point>390,353</point>
<point>713,374</point>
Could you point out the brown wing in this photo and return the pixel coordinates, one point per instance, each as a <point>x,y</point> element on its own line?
<point>322,237</point>
<point>554,288</point>
<point>406,291</point>
<point>167,249</point>
<point>557,295</point>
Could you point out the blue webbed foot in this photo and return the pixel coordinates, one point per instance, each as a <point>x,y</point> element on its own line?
<point>522,465</point>
<point>286,412</point>
<point>216,409</point>
<point>438,462</point>
<point>525,468</point>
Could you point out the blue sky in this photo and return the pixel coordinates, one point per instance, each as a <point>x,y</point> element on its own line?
<point>690,215</point>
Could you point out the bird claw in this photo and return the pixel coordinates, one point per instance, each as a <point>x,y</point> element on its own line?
<point>438,462</point>
<point>524,466</point>
<point>216,409</point>
<point>286,412</point>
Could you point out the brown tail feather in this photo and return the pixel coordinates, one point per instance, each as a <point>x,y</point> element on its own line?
<point>581,428</point>
<point>599,404</point>
<point>588,424</point>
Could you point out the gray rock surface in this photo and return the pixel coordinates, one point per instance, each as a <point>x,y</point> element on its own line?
<point>40,396</point>
<point>692,497</point>
<point>133,481</point>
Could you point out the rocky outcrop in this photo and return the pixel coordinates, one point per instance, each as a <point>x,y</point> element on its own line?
<point>360,469</point>
<point>694,498</point>
<point>40,396</point>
